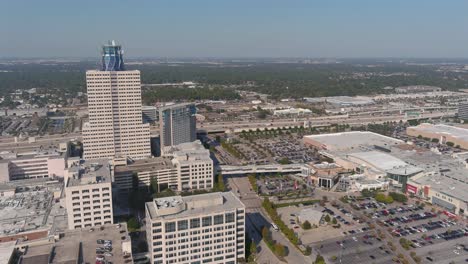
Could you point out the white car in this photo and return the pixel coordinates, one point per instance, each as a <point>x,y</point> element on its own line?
<point>108,254</point>
<point>456,252</point>
<point>355,239</point>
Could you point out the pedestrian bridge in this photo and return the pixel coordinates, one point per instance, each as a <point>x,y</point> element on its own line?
<point>268,168</point>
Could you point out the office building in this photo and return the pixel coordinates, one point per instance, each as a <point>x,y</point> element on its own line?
<point>187,167</point>
<point>205,228</point>
<point>115,127</point>
<point>88,194</point>
<point>463,110</point>
<point>46,161</point>
<point>177,124</point>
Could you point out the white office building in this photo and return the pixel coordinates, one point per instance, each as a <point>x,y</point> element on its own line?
<point>206,228</point>
<point>115,127</point>
<point>88,194</point>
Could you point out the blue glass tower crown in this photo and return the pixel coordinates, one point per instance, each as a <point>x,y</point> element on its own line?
<point>112,59</point>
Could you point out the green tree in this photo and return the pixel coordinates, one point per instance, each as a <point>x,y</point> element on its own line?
<point>319,260</point>
<point>327,218</point>
<point>306,225</point>
<point>266,235</point>
<point>153,185</point>
<point>334,221</point>
<point>132,224</point>
<point>280,250</point>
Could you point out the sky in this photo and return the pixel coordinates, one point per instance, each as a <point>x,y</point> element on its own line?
<point>236,28</point>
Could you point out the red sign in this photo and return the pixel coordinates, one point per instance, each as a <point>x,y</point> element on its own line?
<point>411,189</point>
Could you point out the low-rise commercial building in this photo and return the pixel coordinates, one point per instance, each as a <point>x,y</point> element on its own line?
<point>443,133</point>
<point>30,209</point>
<point>206,228</point>
<point>88,194</point>
<point>382,161</point>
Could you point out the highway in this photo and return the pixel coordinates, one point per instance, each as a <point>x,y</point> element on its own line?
<point>8,142</point>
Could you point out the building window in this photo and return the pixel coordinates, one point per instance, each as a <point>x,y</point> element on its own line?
<point>206,221</point>
<point>195,223</point>
<point>229,217</point>
<point>170,227</point>
<point>218,219</point>
<point>182,225</point>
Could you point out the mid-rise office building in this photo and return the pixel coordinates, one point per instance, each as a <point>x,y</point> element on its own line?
<point>205,228</point>
<point>88,194</point>
<point>177,124</point>
<point>463,110</point>
<point>187,167</point>
<point>43,162</point>
<point>115,127</point>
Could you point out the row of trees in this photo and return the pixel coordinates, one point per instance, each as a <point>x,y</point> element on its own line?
<point>279,249</point>
<point>272,212</point>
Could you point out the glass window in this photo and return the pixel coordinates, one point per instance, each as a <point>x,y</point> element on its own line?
<point>229,217</point>
<point>170,227</point>
<point>206,221</point>
<point>182,225</point>
<point>195,223</point>
<point>218,219</point>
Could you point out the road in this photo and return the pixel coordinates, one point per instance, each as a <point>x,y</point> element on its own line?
<point>257,218</point>
<point>9,142</point>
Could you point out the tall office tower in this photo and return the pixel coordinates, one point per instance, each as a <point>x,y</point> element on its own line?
<point>463,110</point>
<point>177,125</point>
<point>205,228</point>
<point>115,127</point>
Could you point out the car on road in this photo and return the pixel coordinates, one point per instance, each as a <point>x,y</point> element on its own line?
<point>355,239</point>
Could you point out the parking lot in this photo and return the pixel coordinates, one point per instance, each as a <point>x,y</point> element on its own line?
<point>346,223</point>
<point>283,186</point>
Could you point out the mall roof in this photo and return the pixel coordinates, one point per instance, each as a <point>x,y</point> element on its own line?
<point>386,162</point>
<point>457,132</point>
<point>353,140</point>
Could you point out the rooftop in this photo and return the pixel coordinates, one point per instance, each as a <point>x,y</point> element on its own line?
<point>6,251</point>
<point>31,208</point>
<point>178,207</point>
<point>353,140</point>
<point>89,172</point>
<point>160,163</point>
<point>75,245</point>
<point>190,151</point>
<point>440,129</point>
<point>386,162</point>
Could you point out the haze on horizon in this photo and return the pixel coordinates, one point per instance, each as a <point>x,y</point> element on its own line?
<point>209,28</point>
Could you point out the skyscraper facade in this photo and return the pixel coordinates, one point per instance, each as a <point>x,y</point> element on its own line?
<point>177,125</point>
<point>115,127</point>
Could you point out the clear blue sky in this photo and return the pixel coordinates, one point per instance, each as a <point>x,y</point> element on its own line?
<point>236,28</point>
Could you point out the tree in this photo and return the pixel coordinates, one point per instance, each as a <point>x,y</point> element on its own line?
<point>308,251</point>
<point>450,144</point>
<point>319,260</point>
<point>280,250</point>
<point>327,218</point>
<point>306,225</point>
<point>153,185</point>
<point>132,224</point>
<point>334,221</point>
<point>266,235</point>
